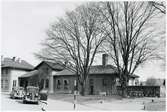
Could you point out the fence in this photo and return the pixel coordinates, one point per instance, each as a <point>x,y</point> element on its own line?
<point>141,91</point>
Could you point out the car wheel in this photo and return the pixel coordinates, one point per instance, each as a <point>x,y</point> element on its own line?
<point>24,102</point>
<point>37,102</point>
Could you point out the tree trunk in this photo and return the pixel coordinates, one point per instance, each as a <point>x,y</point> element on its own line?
<point>83,88</point>
<point>124,90</point>
<point>124,85</point>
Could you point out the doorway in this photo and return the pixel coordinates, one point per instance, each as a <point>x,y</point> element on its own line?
<point>91,86</point>
<point>91,90</point>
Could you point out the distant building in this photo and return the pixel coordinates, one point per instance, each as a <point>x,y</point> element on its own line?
<point>54,76</point>
<point>11,69</point>
<point>157,82</point>
<point>161,83</point>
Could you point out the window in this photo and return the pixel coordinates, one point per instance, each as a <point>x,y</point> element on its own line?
<point>41,84</point>
<point>1,83</point>
<point>58,84</point>
<point>6,84</point>
<point>14,83</point>
<point>117,82</point>
<point>66,84</point>
<point>91,82</point>
<point>2,71</point>
<point>104,82</point>
<point>47,83</point>
<point>5,71</point>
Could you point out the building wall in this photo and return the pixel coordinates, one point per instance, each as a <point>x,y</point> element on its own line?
<point>133,82</point>
<point>61,88</point>
<point>5,79</point>
<point>98,84</point>
<point>43,78</point>
<point>14,77</point>
<point>10,78</point>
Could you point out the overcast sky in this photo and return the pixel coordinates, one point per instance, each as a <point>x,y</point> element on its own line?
<point>24,25</point>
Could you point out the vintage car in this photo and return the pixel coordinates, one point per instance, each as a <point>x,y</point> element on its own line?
<point>17,92</point>
<point>31,95</point>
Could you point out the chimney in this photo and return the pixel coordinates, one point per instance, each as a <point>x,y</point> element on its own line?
<point>104,59</point>
<point>2,57</point>
<point>14,58</point>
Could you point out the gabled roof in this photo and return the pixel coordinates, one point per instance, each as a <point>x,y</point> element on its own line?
<point>10,63</point>
<point>101,69</point>
<point>55,66</point>
<point>97,69</point>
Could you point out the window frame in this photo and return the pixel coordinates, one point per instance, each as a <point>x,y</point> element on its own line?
<point>47,83</point>
<point>91,82</point>
<point>66,86</point>
<point>104,82</point>
<point>58,84</point>
<point>14,83</point>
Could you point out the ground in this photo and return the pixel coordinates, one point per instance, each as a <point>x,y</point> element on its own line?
<point>15,104</point>
<point>65,102</point>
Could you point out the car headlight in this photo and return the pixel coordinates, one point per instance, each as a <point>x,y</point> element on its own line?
<point>36,94</point>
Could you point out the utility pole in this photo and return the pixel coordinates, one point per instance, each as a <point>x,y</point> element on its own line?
<point>75,93</point>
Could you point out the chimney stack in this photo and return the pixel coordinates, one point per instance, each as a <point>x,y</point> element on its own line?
<point>14,58</point>
<point>104,59</point>
<point>2,57</point>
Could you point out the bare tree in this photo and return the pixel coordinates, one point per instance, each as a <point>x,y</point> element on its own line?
<point>75,40</point>
<point>130,37</point>
<point>159,6</point>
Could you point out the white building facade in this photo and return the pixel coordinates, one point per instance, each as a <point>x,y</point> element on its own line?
<point>11,69</point>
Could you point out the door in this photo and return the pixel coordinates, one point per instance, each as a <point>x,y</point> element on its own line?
<point>91,90</point>
<point>91,86</point>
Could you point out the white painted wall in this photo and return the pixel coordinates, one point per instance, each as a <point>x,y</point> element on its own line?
<point>131,82</point>
<point>14,76</point>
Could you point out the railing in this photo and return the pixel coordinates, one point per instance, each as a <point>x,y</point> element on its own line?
<point>141,91</point>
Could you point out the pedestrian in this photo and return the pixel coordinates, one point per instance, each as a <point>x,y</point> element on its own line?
<point>43,99</point>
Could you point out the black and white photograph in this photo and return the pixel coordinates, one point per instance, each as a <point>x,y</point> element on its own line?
<point>83,55</point>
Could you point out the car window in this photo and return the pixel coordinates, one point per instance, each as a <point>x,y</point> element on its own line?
<point>32,90</point>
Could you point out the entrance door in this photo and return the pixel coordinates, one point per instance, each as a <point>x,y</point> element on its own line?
<point>91,90</point>
<point>91,86</point>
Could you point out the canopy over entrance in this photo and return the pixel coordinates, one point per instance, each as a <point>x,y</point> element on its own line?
<point>29,74</point>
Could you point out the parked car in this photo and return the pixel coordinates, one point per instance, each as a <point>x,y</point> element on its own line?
<point>17,92</point>
<point>43,94</point>
<point>31,95</point>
